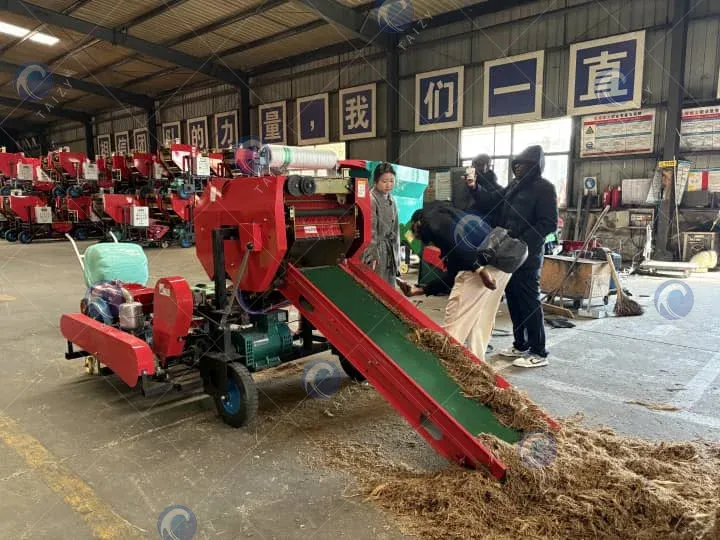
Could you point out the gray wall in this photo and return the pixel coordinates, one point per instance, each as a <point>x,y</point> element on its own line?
<point>549,25</point>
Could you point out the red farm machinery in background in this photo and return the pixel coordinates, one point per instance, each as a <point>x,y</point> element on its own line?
<point>265,242</point>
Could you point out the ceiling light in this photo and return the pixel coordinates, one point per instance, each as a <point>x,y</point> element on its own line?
<point>44,39</point>
<point>13,30</point>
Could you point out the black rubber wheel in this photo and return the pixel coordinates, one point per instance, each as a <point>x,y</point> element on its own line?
<point>239,404</point>
<point>11,235</point>
<point>351,370</point>
<point>25,237</point>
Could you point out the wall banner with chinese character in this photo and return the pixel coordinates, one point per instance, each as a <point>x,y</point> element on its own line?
<point>606,75</point>
<point>615,134</point>
<point>197,132</point>
<point>439,99</point>
<point>513,88</point>
<point>170,132</point>
<point>104,145</point>
<point>313,120</point>
<point>358,112</point>
<point>273,124</point>
<point>122,142</point>
<point>141,142</point>
<point>700,128</point>
<point>226,130</point>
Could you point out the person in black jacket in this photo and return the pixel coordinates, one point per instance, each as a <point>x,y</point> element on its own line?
<point>528,209</point>
<point>478,263</point>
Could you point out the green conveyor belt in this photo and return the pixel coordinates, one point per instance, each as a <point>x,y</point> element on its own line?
<point>390,333</point>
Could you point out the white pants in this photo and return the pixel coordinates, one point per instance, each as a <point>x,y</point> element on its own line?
<point>471,309</point>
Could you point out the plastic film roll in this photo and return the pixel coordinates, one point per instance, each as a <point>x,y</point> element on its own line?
<point>293,157</point>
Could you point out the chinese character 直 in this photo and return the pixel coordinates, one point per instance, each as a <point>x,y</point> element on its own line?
<point>604,76</point>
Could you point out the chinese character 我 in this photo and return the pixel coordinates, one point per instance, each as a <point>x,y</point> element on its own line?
<point>356,108</point>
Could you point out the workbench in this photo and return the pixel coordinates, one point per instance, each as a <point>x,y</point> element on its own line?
<point>589,279</point>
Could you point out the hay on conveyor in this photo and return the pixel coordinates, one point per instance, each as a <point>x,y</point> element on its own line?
<point>477,381</point>
<point>600,485</point>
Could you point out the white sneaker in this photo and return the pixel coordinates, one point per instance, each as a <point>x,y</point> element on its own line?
<point>530,361</point>
<point>512,352</point>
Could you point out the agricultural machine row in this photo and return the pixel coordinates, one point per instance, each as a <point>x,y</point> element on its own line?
<point>139,197</point>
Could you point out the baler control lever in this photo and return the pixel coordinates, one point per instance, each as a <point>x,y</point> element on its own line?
<point>241,272</point>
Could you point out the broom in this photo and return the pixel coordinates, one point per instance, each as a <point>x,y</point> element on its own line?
<point>625,306</point>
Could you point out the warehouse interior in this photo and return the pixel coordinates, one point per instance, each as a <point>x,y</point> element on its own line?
<point>148,147</point>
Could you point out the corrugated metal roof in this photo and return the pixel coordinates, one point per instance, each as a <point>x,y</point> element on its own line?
<point>292,14</point>
<point>314,39</point>
<point>188,16</point>
<point>168,82</point>
<point>255,27</point>
<point>206,44</point>
<point>112,13</point>
<point>89,59</point>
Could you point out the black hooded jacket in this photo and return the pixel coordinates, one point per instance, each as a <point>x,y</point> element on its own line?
<point>527,207</point>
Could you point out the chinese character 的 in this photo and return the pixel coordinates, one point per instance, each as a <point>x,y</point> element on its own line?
<point>432,99</point>
<point>272,125</point>
<point>197,136</point>
<point>604,76</point>
<point>226,127</point>
<point>141,143</point>
<point>356,108</point>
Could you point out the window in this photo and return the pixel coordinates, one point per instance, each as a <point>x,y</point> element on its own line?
<point>502,142</point>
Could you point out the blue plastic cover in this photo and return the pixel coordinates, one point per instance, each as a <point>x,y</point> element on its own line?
<point>122,261</point>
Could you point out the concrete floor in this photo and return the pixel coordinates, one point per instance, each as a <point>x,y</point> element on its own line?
<point>84,457</point>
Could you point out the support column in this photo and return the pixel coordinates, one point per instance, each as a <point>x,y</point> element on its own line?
<point>245,108</point>
<point>392,130</point>
<point>89,140</point>
<point>152,129</point>
<point>676,73</point>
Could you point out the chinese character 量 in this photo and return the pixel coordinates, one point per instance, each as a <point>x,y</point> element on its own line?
<point>356,108</point>
<point>604,77</point>
<point>272,125</point>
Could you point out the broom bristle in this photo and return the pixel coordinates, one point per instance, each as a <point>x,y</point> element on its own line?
<point>627,307</point>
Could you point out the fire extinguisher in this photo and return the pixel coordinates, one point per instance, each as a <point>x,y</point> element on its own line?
<point>616,197</point>
<point>606,197</point>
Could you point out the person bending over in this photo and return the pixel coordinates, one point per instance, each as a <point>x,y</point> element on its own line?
<point>478,263</point>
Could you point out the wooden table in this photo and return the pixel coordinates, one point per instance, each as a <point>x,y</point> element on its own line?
<point>588,280</point>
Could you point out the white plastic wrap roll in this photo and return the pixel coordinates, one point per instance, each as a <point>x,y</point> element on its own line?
<point>293,157</point>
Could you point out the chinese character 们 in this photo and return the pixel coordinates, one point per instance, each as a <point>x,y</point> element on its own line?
<point>432,99</point>
<point>604,76</point>
<point>356,108</point>
<point>272,125</point>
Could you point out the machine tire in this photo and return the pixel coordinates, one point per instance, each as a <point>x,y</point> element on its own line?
<point>80,234</point>
<point>74,192</point>
<point>58,191</point>
<point>238,406</point>
<point>11,235</point>
<point>351,370</point>
<point>25,237</point>
<point>5,191</point>
<point>185,242</point>
<point>164,244</point>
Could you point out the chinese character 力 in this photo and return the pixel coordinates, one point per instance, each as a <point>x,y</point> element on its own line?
<point>604,76</point>
<point>432,99</point>
<point>272,125</point>
<point>356,109</point>
<point>226,127</point>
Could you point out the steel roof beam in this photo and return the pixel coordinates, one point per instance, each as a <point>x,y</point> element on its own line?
<point>123,39</point>
<point>362,27</point>
<point>46,109</point>
<point>109,92</point>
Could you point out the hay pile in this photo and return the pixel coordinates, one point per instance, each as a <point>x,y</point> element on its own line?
<point>477,381</point>
<point>596,484</point>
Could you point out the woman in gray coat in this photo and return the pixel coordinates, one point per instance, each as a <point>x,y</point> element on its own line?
<point>383,253</point>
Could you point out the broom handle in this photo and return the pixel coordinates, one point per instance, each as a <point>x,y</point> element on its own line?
<point>618,285</point>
